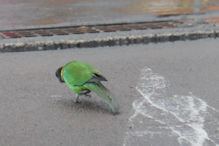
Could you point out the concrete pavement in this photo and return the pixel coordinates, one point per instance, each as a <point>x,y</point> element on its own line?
<point>35,109</point>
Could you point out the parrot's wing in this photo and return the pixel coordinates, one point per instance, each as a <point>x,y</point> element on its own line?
<point>96,78</point>
<point>105,94</point>
<point>76,74</point>
<point>96,75</point>
<point>79,73</point>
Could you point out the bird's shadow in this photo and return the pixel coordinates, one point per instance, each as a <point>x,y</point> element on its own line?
<point>84,105</point>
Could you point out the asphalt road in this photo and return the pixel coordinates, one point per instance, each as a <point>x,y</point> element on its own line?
<point>36,110</point>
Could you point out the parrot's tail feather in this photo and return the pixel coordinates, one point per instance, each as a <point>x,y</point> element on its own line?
<point>105,94</point>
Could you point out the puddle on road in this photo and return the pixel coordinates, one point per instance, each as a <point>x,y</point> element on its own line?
<point>42,12</point>
<point>159,119</point>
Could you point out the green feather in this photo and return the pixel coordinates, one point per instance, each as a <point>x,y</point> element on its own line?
<point>78,73</point>
<point>105,94</point>
<point>80,76</point>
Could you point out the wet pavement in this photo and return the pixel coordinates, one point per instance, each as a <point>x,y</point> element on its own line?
<point>47,12</point>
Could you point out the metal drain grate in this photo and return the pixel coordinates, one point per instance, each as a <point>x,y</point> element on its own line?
<point>189,32</point>
<point>88,29</point>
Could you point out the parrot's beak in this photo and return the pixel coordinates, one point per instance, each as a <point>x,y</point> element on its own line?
<point>58,74</point>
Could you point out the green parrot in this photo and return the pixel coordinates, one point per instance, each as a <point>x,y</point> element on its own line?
<point>83,78</point>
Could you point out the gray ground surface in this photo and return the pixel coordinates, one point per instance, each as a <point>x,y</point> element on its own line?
<point>35,109</point>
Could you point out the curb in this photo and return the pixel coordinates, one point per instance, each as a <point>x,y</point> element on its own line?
<point>108,39</point>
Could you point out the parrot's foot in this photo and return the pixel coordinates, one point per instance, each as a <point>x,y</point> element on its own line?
<point>86,93</point>
<point>77,99</point>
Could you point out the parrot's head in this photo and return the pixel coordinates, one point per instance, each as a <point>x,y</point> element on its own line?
<point>58,74</point>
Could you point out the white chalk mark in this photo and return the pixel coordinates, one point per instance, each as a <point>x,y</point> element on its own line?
<point>183,116</point>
